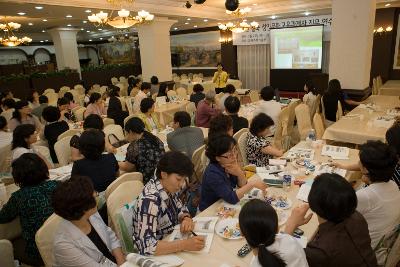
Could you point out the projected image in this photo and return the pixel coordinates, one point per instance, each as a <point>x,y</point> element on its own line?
<point>296,48</point>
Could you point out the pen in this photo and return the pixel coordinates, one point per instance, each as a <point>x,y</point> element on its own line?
<point>193,233</point>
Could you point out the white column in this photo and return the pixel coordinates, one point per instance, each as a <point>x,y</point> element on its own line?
<point>66,48</point>
<point>351,42</point>
<point>155,49</point>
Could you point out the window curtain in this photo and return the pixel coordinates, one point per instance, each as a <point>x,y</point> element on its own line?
<point>325,56</point>
<point>253,65</point>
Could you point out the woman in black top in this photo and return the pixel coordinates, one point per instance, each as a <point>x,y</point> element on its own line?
<point>197,94</point>
<point>54,128</point>
<point>114,110</point>
<point>162,91</point>
<point>101,168</point>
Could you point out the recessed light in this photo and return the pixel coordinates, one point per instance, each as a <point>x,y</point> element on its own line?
<point>306,13</point>
<point>188,18</point>
<point>186,23</point>
<point>46,40</point>
<point>254,4</point>
<point>38,7</point>
<point>30,23</point>
<point>101,38</point>
<point>41,41</point>
<point>175,29</point>
<point>205,20</point>
<point>195,26</point>
<point>69,25</point>
<point>100,29</point>
<point>85,21</point>
<point>387,5</point>
<point>273,17</point>
<point>68,16</point>
<point>88,11</point>
<point>44,20</point>
<point>43,31</point>
<point>82,29</point>
<point>21,13</point>
<point>90,40</point>
<point>126,35</point>
<point>87,31</point>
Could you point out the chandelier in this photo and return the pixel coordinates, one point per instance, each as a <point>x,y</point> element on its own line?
<point>240,25</point>
<point>123,20</point>
<point>122,39</point>
<point>9,38</point>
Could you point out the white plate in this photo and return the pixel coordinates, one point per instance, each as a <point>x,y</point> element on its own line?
<point>231,224</point>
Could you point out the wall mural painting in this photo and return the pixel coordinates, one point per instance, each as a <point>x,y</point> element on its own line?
<point>114,53</point>
<point>196,50</point>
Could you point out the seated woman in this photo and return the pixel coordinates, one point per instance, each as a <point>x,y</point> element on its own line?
<point>96,106</point>
<point>70,97</point>
<point>66,113</point>
<point>134,86</point>
<point>31,203</point>
<point>334,201</point>
<point>378,202</point>
<point>33,99</point>
<point>82,238</point>
<point>22,115</point>
<point>311,95</point>
<point>114,110</point>
<point>144,150</point>
<point>220,124</point>
<point>224,174</point>
<point>23,137</point>
<point>259,149</point>
<point>92,121</point>
<point>148,116</point>
<point>159,209</point>
<point>54,128</point>
<point>206,110</point>
<point>258,222</point>
<point>334,94</point>
<point>393,140</point>
<point>101,168</point>
<point>198,94</point>
<point>5,135</point>
<point>163,91</point>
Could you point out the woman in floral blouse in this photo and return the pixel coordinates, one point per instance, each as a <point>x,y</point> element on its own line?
<point>144,151</point>
<point>159,209</point>
<point>258,149</point>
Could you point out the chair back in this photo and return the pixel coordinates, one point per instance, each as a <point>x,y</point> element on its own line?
<point>48,90</point>
<point>128,118</point>
<point>236,136</point>
<point>198,166</point>
<point>191,109</point>
<point>123,105</point>
<point>63,90</point>
<point>44,238</point>
<point>129,104</point>
<point>374,87</point>
<point>304,125</point>
<point>5,159</point>
<point>393,258</point>
<point>6,254</point>
<point>44,152</point>
<point>114,129</point>
<point>339,112</point>
<point>75,94</point>
<point>70,132</point>
<point>181,92</point>
<point>129,176</point>
<point>379,82</point>
<point>124,194</point>
<point>319,126</point>
<point>53,98</point>
<point>316,107</point>
<point>279,128</point>
<point>114,80</point>
<point>103,89</point>
<point>79,88</point>
<point>254,96</point>
<point>171,93</point>
<point>108,121</point>
<point>79,113</point>
<point>208,86</point>
<point>96,88</point>
<point>242,143</point>
<point>63,150</point>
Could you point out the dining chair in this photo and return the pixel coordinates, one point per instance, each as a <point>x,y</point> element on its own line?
<point>114,129</point>
<point>319,126</point>
<point>242,143</point>
<point>198,166</point>
<point>63,150</point>
<point>254,96</point>
<point>79,113</point>
<point>108,121</point>
<point>6,253</point>
<point>304,124</point>
<point>44,238</point>
<point>129,176</point>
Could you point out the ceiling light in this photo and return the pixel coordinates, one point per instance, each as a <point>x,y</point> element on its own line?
<point>387,5</point>
<point>9,38</point>
<point>123,20</point>
<point>101,38</point>
<point>307,13</point>
<point>175,29</point>
<point>88,11</point>
<point>82,29</point>
<point>254,4</point>
<point>38,7</point>
<point>46,40</point>
<point>195,26</point>
<point>44,20</point>
<point>205,20</point>
<point>100,29</point>
<point>188,18</point>
<point>84,21</point>
<point>90,40</point>
<point>273,17</point>
<point>30,23</point>
<point>68,16</point>
<point>69,25</point>
<point>186,23</point>
<point>87,31</point>
<point>21,13</point>
<point>43,31</point>
<point>126,34</point>
<point>41,41</point>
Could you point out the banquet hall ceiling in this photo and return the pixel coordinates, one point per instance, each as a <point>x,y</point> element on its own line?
<point>198,16</point>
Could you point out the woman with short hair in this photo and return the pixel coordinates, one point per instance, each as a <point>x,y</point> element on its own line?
<point>148,116</point>
<point>95,106</point>
<point>82,238</point>
<point>31,203</point>
<point>22,115</point>
<point>159,210</point>
<point>197,94</point>
<point>259,148</point>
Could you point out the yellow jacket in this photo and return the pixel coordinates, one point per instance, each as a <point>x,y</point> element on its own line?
<point>220,79</point>
<point>145,120</point>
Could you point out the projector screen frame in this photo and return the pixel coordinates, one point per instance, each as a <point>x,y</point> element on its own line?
<point>298,26</point>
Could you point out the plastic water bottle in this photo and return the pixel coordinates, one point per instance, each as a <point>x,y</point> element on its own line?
<point>311,135</point>
<point>287,182</point>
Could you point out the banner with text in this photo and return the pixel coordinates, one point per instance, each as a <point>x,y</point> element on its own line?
<point>261,35</point>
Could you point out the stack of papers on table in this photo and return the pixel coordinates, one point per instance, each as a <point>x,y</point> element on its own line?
<point>270,169</point>
<point>61,173</point>
<point>303,193</point>
<point>305,153</point>
<point>134,259</point>
<point>335,152</point>
<point>319,169</point>
<point>121,152</point>
<point>383,121</point>
<point>242,91</point>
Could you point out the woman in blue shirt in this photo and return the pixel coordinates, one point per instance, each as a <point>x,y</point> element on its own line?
<point>224,174</point>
